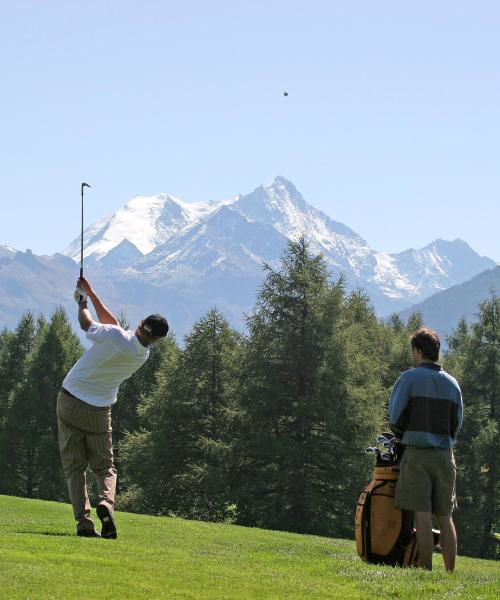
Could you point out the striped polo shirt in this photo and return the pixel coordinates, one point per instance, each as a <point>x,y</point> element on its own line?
<point>426,404</point>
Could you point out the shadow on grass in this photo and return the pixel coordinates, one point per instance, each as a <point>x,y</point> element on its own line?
<point>51,533</point>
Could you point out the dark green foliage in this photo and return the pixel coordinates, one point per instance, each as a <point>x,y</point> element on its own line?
<point>267,430</point>
<point>14,349</point>
<point>139,386</point>
<point>300,450</point>
<point>30,451</point>
<point>188,440</point>
<point>6,343</point>
<point>474,358</point>
<point>360,411</point>
<point>14,352</point>
<point>396,350</point>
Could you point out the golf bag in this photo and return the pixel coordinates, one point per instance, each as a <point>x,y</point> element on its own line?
<point>384,533</point>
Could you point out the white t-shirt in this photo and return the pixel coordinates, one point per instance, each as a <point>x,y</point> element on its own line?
<point>115,355</point>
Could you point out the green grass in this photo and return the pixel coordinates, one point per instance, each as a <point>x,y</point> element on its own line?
<point>160,557</point>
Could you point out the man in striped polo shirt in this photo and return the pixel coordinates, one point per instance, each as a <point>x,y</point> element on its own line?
<point>426,410</point>
<point>84,405</point>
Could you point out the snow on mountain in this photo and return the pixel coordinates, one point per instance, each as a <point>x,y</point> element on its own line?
<point>443,310</point>
<point>226,242</point>
<point>282,206</point>
<point>145,221</point>
<point>213,252</point>
<point>417,274</point>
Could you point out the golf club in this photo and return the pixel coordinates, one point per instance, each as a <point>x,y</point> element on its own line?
<point>81,239</point>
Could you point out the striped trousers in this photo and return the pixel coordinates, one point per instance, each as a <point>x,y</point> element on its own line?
<point>85,439</point>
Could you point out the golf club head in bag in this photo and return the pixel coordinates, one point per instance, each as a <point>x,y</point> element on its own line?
<point>391,452</point>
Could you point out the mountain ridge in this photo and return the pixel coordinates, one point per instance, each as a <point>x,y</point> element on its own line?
<point>401,278</point>
<point>157,248</point>
<point>443,310</point>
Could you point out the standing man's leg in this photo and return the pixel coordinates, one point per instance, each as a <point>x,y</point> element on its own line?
<point>425,538</point>
<point>448,539</point>
<point>414,493</point>
<point>444,502</point>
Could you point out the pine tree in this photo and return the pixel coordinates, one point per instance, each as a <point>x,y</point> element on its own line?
<point>14,352</point>
<point>132,391</point>
<point>14,349</point>
<point>290,399</point>
<point>6,342</point>
<point>189,440</point>
<point>31,425</point>
<point>474,357</point>
<point>396,350</point>
<point>361,405</point>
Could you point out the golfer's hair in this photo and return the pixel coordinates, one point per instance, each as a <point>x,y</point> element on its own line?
<point>427,341</point>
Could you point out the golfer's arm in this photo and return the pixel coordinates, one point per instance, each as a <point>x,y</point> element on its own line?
<point>84,316</point>
<point>104,315</point>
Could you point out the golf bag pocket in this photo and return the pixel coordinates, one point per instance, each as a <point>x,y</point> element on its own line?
<point>383,531</point>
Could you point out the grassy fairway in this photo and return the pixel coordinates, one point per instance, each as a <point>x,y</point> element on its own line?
<point>157,557</point>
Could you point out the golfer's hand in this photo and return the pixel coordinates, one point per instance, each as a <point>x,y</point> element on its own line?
<point>80,296</point>
<point>84,285</point>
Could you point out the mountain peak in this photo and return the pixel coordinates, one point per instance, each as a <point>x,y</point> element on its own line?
<point>172,232</point>
<point>280,181</point>
<point>285,192</point>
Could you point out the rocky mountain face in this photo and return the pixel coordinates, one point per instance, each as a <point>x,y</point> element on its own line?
<point>161,254</point>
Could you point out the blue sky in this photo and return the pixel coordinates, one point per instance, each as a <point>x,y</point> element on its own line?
<point>391,126</point>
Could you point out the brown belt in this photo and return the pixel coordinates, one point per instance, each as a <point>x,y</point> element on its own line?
<point>65,391</point>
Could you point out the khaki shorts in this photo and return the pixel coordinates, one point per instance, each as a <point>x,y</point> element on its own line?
<point>426,481</point>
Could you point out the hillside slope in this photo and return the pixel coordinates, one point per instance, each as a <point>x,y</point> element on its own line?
<point>159,557</point>
<point>443,310</point>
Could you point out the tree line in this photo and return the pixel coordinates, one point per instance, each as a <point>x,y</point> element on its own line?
<point>266,428</point>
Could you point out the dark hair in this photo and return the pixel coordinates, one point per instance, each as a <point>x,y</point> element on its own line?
<point>427,341</point>
<point>155,326</point>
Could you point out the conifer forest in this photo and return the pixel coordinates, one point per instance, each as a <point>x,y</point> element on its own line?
<point>265,428</point>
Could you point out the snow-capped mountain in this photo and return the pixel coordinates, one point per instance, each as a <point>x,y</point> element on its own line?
<point>226,242</point>
<point>442,311</point>
<point>162,238</point>
<point>160,250</point>
<point>420,273</point>
<point>282,206</point>
<point>145,221</point>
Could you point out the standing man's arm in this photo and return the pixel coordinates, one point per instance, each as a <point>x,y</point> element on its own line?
<point>460,414</point>
<point>398,404</point>
<point>104,315</point>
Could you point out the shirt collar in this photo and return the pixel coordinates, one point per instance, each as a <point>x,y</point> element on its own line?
<point>433,366</point>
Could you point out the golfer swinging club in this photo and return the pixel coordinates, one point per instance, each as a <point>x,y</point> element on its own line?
<point>84,405</point>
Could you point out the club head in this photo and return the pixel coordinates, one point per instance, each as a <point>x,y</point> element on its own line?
<point>85,185</point>
<point>386,457</point>
<point>371,450</point>
<point>382,439</point>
